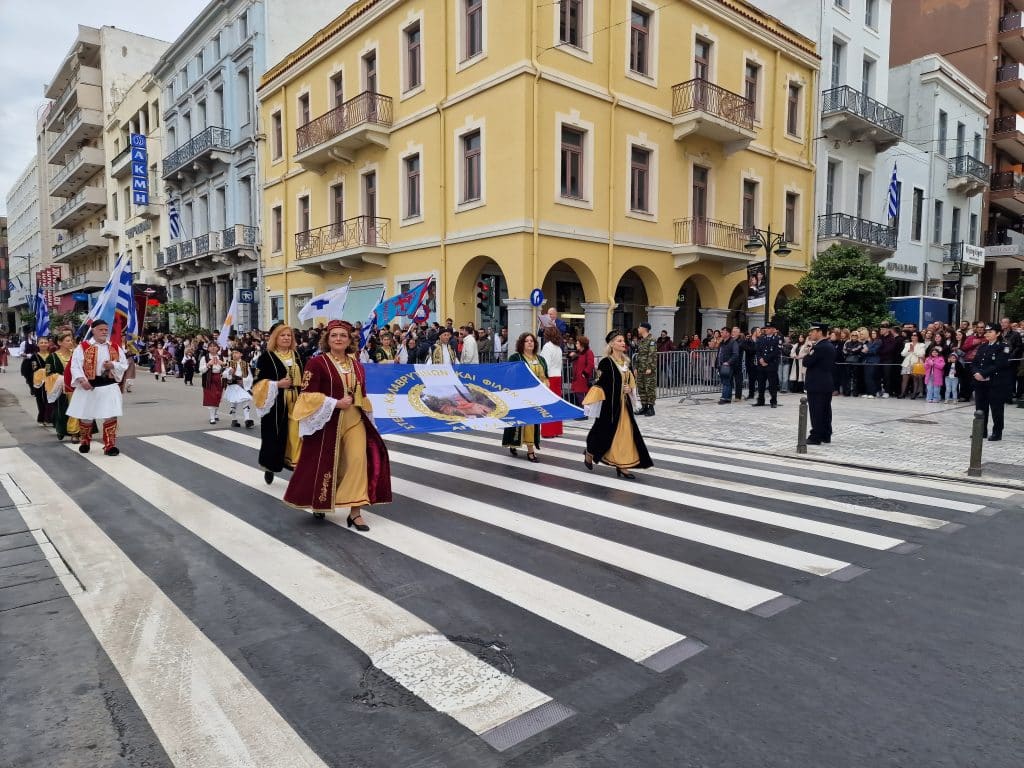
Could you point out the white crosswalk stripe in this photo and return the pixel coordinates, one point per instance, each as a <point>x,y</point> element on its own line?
<point>203,709</point>
<point>483,699</point>
<point>699,581</point>
<point>634,638</point>
<point>747,512</point>
<point>723,483</point>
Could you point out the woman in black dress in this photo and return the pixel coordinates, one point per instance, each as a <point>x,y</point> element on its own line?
<point>614,438</point>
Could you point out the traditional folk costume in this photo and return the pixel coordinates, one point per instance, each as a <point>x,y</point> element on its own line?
<point>160,364</point>
<point>103,401</point>
<point>211,370</point>
<point>37,367</point>
<point>441,354</point>
<point>279,434</point>
<point>614,438</point>
<point>239,390</point>
<point>344,462</point>
<point>516,437</point>
<point>5,355</point>
<point>58,393</point>
<point>552,356</point>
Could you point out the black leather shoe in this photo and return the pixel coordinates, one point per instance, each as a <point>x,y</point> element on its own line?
<point>268,477</point>
<point>358,526</point>
<point>83,448</point>
<point>775,405</point>
<point>813,441</point>
<point>588,461</point>
<point>995,438</point>
<point>624,474</point>
<point>650,410</point>
<point>115,451</point>
<point>249,423</point>
<point>757,405</point>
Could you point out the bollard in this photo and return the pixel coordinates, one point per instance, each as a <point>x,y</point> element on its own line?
<point>974,470</point>
<point>801,430</point>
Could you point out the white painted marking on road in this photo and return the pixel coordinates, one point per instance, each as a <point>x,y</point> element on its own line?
<point>814,527</point>
<point>858,489</point>
<point>18,498</point>
<point>932,484</point>
<point>450,679</point>
<point>757,549</point>
<point>720,483</point>
<point>204,711</point>
<point>634,638</point>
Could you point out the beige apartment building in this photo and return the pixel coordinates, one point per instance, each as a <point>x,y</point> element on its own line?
<point>98,70</point>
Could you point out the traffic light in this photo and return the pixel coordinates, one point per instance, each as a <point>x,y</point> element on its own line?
<point>483,295</point>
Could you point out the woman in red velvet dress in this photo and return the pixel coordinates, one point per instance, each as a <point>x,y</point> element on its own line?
<point>343,461</point>
<point>211,369</point>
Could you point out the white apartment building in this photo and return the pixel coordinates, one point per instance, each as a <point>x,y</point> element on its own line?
<point>941,177</point>
<point>132,226</point>
<point>98,70</point>
<point>23,239</point>
<point>856,122</point>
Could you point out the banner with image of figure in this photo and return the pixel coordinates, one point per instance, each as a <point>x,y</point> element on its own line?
<point>458,398</point>
<point>757,290</point>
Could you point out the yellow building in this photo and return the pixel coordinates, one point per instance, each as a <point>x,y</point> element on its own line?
<point>597,149</point>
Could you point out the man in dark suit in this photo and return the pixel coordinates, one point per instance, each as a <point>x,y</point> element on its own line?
<point>767,352</point>
<point>818,384</point>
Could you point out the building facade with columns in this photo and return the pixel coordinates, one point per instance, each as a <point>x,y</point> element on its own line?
<point>24,244</point>
<point>476,142</point>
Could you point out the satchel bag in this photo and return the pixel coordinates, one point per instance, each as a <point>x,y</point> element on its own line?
<point>917,369</point>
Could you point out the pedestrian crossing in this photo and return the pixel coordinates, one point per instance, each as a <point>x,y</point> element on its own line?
<point>487,605</point>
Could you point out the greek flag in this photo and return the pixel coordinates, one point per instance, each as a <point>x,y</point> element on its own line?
<point>175,220</point>
<point>125,316</point>
<point>106,305</point>
<point>894,195</point>
<point>371,323</point>
<point>458,398</point>
<point>42,316</point>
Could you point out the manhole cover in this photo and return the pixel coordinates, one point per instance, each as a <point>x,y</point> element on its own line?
<point>378,689</point>
<point>887,505</point>
<point>918,421</point>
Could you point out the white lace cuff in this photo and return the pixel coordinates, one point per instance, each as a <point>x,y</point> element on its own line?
<point>318,420</point>
<point>56,392</point>
<point>268,404</point>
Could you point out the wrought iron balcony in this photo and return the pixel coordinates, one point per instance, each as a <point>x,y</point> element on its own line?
<point>208,243</point>
<point>89,241</point>
<point>704,109</point>
<point>1008,135</point>
<point>967,175</point>
<point>846,113</point>
<point>706,239</point>
<point>337,135</point>
<point>211,143</point>
<point>93,278</point>
<point>1011,34</point>
<point>121,165</point>
<point>86,203</point>
<point>360,236</point>
<point>1010,84</point>
<point>1007,191</point>
<point>239,236</point>
<point>879,240</point>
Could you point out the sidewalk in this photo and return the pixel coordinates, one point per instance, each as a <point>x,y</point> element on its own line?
<point>897,435</point>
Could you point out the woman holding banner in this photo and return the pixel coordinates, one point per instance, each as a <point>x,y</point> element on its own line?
<point>344,462</point>
<point>614,438</point>
<point>274,394</point>
<point>514,438</point>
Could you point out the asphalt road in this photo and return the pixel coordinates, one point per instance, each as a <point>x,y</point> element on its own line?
<point>727,609</point>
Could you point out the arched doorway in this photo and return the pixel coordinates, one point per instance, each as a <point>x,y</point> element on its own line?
<point>480,291</point>
<point>695,293</point>
<point>782,298</point>
<point>631,301</point>
<point>567,286</point>
<point>738,307</point>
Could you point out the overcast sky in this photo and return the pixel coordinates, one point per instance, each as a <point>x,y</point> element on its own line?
<point>35,35</point>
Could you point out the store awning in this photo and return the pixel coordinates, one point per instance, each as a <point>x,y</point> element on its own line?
<point>67,303</point>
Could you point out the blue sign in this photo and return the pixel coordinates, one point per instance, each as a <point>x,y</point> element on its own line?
<point>246,296</point>
<point>80,296</point>
<point>537,297</point>
<point>140,169</point>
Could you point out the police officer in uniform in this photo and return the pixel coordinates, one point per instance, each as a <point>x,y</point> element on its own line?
<point>767,353</point>
<point>991,366</point>
<point>818,384</point>
<point>646,367</point>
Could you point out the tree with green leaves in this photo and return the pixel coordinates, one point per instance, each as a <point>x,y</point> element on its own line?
<point>1013,301</point>
<point>843,288</point>
<point>183,314</point>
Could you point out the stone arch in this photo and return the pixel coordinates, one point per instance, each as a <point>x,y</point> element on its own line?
<point>697,292</point>
<point>738,306</point>
<point>651,282</point>
<point>584,275</point>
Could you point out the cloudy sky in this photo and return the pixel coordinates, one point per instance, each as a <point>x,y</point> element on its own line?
<point>35,35</point>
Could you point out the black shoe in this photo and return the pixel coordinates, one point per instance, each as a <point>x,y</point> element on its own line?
<point>83,448</point>
<point>813,441</point>
<point>268,477</point>
<point>996,437</point>
<point>234,423</point>
<point>759,404</point>
<point>531,456</point>
<point>358,526</point>
<point>650,410</point>
<point>321,516</point>
<point>775,405</point>
<point>826,439</point>
<point>513,451</point>
<point>588,461</point>
<point>249,423</point>
<point>641,412</point>
<point>723,401</point>
<point>111,451</point>
<point>624,474</point>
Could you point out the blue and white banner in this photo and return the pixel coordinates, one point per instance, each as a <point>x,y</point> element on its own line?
<point>458,398</point>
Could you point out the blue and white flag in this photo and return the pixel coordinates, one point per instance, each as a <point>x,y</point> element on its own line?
<point>106,304</point>
<point>371,324</point>
<point>894,195</point>
<point>42,313</point>
<point>457,398</point>
<point>174,219</point>
<point>330,305</point>
<point>125,326</point>
<point>406,304</point>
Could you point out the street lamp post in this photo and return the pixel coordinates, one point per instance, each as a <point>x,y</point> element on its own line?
<point>769,241</point>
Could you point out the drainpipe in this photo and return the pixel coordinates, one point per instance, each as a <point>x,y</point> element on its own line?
<point>442,292</point>
<point>535,269</point>
<point>612,140</point>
